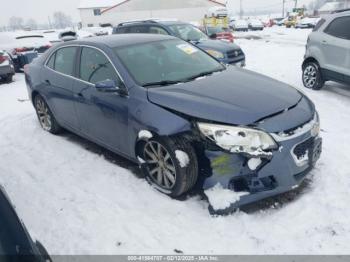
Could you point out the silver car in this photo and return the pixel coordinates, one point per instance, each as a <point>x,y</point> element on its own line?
<point>327,55</point>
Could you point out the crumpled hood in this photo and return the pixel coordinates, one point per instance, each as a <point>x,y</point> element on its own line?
<point>234,96</point>
<point>217,45</point>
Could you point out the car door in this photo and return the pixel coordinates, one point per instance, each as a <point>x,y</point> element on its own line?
<point>103,116</point>
<point>335,47</point>
<point>58,82</point>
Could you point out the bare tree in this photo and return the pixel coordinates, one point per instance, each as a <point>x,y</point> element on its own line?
<point>60,20</point>
<point>15,23</point>
<point>31,24</point>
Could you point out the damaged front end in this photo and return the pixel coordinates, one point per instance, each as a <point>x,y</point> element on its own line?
<point>245,165</point>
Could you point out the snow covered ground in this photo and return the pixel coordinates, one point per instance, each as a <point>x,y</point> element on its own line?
<point>79,199</point>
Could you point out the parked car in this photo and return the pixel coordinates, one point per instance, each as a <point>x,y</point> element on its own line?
<point>327,56</point>
<point>15,241</point>
<point>183,116</point>
<point>23,47</point>
<point>255,24</point>
<point>281,21</point>
<point>217,11</point>
<point>7,69</point>
<point>240,25</point>
<point>307,22</point>
<point>220,33</point>
<point>228,53</point>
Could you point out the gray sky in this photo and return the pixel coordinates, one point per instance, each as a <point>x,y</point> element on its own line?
<point>41,9</point>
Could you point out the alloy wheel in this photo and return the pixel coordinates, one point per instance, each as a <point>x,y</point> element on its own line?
<point>310,76</point>
<point>160,165</point>
<point>43,114</point>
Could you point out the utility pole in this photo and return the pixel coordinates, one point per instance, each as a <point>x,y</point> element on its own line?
<point>283,5</point>
<point>296,4</point>
<point>50,26</point>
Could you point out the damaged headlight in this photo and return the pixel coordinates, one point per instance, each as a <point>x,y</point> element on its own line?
<point>239,139</point>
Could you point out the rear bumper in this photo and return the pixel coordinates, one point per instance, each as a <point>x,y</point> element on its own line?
<point>7,70</point>
<point>283,172</point>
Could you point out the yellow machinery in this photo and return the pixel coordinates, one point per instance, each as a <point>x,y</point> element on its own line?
<point>214,21</point>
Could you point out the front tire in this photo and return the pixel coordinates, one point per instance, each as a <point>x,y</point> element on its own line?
<point>312,76</point>
<point>45,116</point>
<point>165,170</point>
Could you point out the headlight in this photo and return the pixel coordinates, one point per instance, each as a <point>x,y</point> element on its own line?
<point>239,139</point>
<point>215,54</point>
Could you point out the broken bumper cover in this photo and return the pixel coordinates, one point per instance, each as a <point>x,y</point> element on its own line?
<point>283,172</point>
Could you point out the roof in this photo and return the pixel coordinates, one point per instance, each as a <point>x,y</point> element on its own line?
<point>120,40</point>
<point>98,3</point>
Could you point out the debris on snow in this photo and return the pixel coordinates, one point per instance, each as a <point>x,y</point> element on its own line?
<point>183,158</point>
<point>221,198</point>
<point>253,163</point>
<point>178,251</point>
<point>141,160</point>
<point>144,134</point>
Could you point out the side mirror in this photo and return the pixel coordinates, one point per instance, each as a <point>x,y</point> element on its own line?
<point>110,86</point>
<point>107,86</point>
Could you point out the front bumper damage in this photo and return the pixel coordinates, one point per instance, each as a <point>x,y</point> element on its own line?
<point>283,171</point>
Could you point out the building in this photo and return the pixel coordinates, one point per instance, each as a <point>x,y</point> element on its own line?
<point>96,12</point>
<point>332,6</point>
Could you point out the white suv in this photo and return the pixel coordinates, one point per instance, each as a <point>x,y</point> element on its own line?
<point>327,55</point>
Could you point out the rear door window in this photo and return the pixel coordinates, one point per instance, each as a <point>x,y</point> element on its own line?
<point>64,60</point>
<point>340,27</point>
<point>51,62</point>
<point>139,29</point>
<point>319,24</point>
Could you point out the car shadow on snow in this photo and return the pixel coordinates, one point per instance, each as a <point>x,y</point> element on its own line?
<point>337,88</point>
<point>269,203</point>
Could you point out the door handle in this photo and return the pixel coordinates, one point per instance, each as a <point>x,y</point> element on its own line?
<point>324,42</point>
<point>47,82</point>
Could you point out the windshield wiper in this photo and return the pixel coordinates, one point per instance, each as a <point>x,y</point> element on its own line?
<point>206,73</point>
<point>162,83</point>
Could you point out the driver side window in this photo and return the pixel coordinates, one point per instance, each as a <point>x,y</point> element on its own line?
<point>96,67</point>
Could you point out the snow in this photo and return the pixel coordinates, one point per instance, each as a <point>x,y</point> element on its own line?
<point>144,134</point>
<point>221,198</point>
<point>182,157</point>
<point>141,160</point>
<point>253,163</point>
<point>76,199</point>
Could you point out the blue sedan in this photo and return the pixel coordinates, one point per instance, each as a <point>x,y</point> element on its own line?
<point>186,119</point>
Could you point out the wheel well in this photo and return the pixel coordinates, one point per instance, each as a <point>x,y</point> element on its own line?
<point>308,60</point>
<point>138,147</point>
<point>34,94</point>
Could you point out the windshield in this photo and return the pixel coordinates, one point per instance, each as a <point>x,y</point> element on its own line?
<point>188,32</point>
<point>166,62</point>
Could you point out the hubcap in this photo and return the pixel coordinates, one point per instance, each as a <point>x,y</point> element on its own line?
<point>43,114</point>
<point>160,165</point>
<point>310,76</point>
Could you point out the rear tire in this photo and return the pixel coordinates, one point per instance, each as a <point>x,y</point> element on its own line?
<point>312,76</point>
<point>8,78</point>
<point>164,170</point>
<point>46,118</point>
